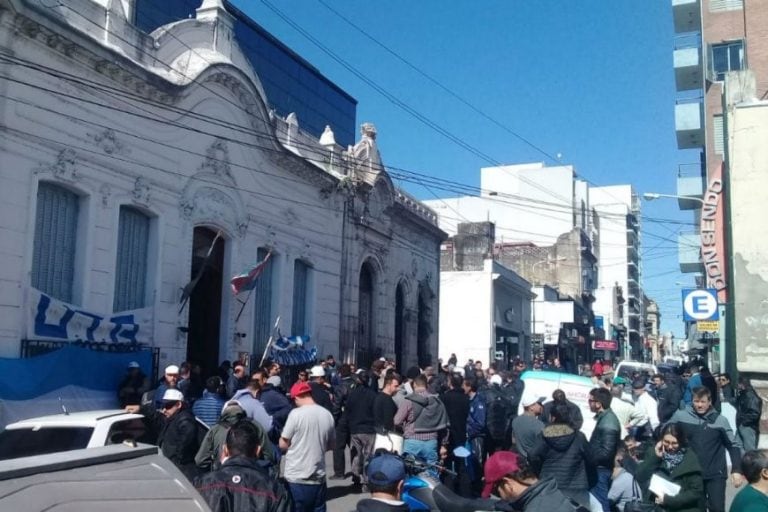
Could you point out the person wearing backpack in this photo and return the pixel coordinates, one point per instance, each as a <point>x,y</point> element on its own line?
<point>208,457</point>
<point>498,416</point>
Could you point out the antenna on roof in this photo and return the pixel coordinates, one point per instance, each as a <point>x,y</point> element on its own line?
<point>63,407</point>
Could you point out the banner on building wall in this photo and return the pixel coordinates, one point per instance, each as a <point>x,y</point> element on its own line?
<point>52,319</point>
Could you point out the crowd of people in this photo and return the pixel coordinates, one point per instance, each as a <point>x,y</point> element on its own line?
<point>670,431</point>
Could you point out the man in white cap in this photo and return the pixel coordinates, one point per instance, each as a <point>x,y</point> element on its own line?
<point>176,427</point>
<point>527,427</point>
<point>170,381</point>
<point>321,390</point>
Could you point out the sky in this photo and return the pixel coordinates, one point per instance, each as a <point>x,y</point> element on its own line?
<point>589,82</point>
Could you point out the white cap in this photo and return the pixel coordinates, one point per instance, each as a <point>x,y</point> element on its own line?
<point>317,371</point>
<point>496,379</point>
<point>171,369</point>
<point>530,398</point>
<point>173,395</point>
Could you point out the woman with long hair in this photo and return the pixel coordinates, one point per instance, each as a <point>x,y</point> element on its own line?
<point>562,453</point>
<point>672,460</point>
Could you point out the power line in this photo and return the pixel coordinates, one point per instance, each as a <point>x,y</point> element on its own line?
<point>437,83</point>
<point>405,175</point>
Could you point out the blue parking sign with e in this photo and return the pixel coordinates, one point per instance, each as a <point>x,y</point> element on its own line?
<point>700,305</point>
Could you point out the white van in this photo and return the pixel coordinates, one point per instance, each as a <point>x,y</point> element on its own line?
<point>576,390</point>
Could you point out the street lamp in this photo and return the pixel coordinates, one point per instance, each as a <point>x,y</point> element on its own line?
<point>650,196</point>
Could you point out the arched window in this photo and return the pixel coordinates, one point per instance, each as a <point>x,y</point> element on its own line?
<point>132,257</point>
<point>55,244</point>
<point>365,317</point>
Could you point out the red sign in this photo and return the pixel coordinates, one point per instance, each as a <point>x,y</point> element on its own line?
<point>605,345</point>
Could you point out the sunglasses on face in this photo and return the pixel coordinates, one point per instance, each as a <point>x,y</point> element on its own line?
<point>169,405</point>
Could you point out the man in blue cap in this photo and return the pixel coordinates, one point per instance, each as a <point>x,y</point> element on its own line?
<point>386,473</point>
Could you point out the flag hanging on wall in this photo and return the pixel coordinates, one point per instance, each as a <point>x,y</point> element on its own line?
<point>186,293</point>
<point>247,279</point>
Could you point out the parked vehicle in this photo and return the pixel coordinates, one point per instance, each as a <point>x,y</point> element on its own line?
<point>73,431</point>
<point>423,491</point>
<point>118,478</point>
<point>576,390</point>
<point>627,368</point>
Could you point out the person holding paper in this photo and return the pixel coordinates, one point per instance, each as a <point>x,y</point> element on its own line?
<point>674,473</point>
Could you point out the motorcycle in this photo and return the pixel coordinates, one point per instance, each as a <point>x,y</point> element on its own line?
<point>422,489</point>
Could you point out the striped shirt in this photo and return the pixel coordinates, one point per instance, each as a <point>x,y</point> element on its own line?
<point>208,408</point>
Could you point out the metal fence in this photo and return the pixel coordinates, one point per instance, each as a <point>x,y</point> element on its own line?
<point>32,348</point>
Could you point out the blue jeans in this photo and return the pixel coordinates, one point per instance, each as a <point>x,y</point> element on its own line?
<point>748,437</point>
<point>600,490</point>
<point>426,450</point>
<point>307,497</point>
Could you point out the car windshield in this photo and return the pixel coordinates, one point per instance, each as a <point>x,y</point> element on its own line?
<point>26,441</point>
<point>627,370</point>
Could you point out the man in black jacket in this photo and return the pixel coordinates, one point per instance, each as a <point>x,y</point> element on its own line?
<point>384,407</point>
<point>456,404</point>
<point>242,482</point>
<point>603,443</point>
<point>322,392</point>
<point>359,412</point>
<point>341,392</point>
<point>272,396</point>
<point>177,429</point>
<point>710,435</point>
<point>749,407</point>
<point>668,398</point>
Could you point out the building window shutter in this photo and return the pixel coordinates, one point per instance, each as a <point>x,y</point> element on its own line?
<point>263,304</point>
<point>725,5</point>
<point>55,244</point>
<point>299,317</point>
<point>132,254</point>
<point>719,136</point>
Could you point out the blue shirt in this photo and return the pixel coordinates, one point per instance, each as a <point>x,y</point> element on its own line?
<point>208,408</point>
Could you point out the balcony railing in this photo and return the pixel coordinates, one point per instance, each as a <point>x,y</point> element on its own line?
<point>689,123</point>
<point>689,252</point>
<point>686,15</point>
<point>690,190</point>
<point>689,67</point>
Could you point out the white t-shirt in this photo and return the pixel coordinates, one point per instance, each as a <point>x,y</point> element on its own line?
<point>310,429</point>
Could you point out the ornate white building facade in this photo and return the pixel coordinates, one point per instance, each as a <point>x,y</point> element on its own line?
<point>129,161</point>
